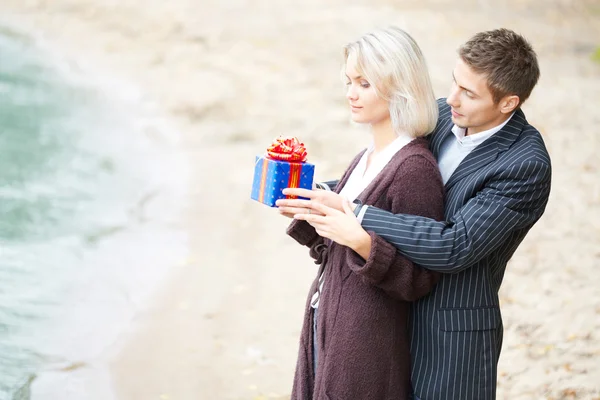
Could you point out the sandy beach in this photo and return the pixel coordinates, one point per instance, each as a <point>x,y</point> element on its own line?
<point>232,75</point>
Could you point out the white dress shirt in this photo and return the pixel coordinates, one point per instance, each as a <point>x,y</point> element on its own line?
<point>455,148</point>
<point>362,176</point>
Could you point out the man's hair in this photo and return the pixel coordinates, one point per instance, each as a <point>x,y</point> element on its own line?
<point>393,63</point>
<point>506,59</point>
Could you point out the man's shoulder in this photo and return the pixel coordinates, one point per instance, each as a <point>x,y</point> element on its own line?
<point>443,108</point>
<point>531,143</point>
<point>444,117</point>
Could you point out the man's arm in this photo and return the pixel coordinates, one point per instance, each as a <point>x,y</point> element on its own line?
<point>515,200</point>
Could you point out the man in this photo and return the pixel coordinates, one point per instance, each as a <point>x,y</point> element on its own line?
<point>497,173</point>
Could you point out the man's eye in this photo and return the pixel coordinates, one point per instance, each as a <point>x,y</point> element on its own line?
<point>469,94</point>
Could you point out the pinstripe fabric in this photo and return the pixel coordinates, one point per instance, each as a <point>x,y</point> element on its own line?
<point>492,200</point>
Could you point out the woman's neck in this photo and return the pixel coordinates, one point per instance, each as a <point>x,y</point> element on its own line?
<point>383,135</point>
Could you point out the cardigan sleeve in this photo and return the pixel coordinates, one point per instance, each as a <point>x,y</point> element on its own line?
<point>306,235</point>
<point>418,189</point>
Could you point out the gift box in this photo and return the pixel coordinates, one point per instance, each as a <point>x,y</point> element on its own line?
<point>283,166</point>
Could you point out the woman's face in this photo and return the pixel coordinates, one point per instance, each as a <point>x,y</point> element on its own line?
<point>365,105</point>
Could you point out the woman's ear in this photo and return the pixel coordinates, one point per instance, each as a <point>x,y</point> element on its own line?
<point>509,104</point>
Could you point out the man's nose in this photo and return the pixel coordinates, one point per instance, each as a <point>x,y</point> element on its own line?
<point>452,99</point>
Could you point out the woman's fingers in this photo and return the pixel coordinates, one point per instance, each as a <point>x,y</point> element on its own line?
<point>311,218</point>
<point>347,208</point>
<point>300,192</point>
<point>292,210</point>
<point>298,203</point>
<point>296,211</point>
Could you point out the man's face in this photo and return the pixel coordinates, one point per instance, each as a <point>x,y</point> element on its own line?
<point>472,103</point>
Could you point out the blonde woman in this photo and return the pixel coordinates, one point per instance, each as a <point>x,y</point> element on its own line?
<point>354,342</point>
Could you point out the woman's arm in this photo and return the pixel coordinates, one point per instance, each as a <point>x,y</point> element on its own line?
<point>306,235</point>
<point>417,190</point>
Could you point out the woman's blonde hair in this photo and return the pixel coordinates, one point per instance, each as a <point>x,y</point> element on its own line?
<point>393,63</point>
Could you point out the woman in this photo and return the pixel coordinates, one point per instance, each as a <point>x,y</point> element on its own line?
<point>354,342</point>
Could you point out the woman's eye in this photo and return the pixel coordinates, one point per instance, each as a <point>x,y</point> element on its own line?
<point>348,83</point>
<point>366,85</point>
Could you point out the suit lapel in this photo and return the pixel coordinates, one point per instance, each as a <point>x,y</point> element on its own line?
<point>487,152</point>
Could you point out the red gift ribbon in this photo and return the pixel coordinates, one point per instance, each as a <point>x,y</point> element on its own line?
<point>287,149</point>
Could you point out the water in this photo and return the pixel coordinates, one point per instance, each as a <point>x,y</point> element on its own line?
<point>90,194</point>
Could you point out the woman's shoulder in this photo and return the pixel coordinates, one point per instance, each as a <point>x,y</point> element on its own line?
<point>417,152</point>
<point>417,187</point>
<point>416,164</point>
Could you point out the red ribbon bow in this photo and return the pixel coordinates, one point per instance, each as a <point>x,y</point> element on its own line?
<point>287,149</point>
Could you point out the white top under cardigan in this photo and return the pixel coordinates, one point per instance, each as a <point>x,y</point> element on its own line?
<point>361,177</point>
<point>455,149</point>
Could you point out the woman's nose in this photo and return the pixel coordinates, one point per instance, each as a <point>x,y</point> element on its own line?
<point>351,94</point>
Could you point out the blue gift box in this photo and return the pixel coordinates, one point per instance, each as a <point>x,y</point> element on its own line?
<point>272,176</point>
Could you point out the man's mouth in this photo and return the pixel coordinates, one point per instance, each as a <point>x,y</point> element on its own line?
<point>455,114</point>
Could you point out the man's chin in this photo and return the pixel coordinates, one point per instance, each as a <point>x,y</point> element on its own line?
<point>458,123</point>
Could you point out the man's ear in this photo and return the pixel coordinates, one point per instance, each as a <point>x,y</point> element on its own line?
<point>508,104</point>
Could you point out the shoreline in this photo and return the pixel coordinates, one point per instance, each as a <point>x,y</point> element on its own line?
<point>225,323</point>
<point>76,350</point>
<point>167,301</point>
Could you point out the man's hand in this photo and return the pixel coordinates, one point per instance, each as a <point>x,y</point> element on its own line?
<point>340,226</point>
<point>291,207</point>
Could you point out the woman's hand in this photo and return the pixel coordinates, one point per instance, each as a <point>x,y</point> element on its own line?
<point>291,207</point>
<point>340,226</point>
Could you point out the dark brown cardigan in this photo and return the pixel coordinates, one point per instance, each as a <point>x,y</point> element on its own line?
<point>362,324</point>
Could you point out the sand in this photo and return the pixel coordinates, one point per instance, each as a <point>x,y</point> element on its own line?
<point>232,75</point>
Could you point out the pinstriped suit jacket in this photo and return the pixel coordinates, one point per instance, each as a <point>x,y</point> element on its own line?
<point>493,198</point>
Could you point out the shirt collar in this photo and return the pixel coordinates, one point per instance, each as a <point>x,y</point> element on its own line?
<point>477,138</point>
<point>402,140</point>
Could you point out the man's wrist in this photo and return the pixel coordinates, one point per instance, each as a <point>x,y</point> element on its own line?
<point>359,210</point>
<point>361,213</point>
<point>321,186</point>
<point>356,206</point>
